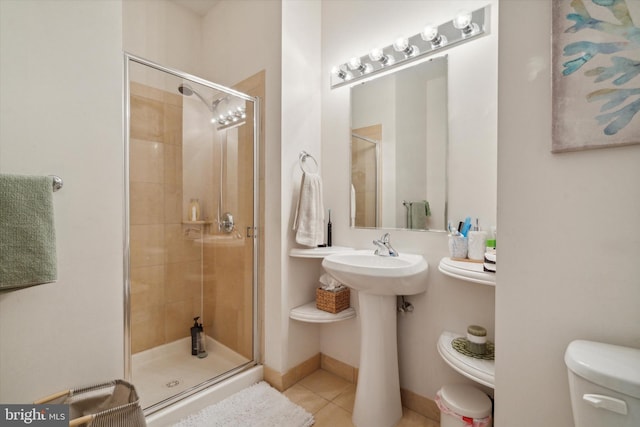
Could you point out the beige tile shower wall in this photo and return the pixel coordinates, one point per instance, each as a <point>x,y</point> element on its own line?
<point>165,266</point>
<point>228,267</point>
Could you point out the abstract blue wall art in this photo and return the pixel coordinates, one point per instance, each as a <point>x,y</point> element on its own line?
<point>596,74</point>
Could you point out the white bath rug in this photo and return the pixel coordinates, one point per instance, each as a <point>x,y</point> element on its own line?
<point>257,406</point>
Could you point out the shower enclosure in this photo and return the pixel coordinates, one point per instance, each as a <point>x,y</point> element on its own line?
<point>191,248</point>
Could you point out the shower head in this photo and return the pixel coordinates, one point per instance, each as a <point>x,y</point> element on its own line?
<point>187,90</point>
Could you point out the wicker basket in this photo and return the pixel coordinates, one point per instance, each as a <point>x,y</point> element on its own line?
<point>111,404</point>
<point>333,302</point>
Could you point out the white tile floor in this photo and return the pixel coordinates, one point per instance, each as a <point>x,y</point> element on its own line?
<point>156,371</point>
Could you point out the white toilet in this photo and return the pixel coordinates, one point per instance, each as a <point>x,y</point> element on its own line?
<point>604,381</point>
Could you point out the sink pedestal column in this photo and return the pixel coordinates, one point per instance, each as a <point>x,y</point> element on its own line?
<point>378,392</point>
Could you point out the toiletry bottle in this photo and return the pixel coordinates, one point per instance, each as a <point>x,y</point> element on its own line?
<point>329,230</point>
<point>194,210</point>
<point>195,336</point>
<point>202,351</point>
<point>491,246</point>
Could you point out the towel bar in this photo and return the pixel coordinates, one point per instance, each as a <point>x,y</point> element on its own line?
<point>57,183</point>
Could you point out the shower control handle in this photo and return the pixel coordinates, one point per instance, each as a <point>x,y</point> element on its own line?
<point>227,224</point>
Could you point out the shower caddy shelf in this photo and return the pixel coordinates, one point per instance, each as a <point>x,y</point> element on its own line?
<point>308,312</point>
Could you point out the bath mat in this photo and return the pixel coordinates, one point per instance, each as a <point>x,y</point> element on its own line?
<point>257,406</point>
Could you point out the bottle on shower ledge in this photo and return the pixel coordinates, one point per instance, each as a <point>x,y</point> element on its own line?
<point>195,336</point>
<point>193,213</point>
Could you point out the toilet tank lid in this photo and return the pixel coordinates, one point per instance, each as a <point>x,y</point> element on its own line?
<point>611,366</point>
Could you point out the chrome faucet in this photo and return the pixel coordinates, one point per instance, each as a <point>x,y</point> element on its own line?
<point>384,246</point>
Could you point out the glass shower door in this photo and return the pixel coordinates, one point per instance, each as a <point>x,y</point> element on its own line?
<point>191,247</point>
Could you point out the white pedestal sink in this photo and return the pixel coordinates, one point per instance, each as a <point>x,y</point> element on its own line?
<point>378,280</point>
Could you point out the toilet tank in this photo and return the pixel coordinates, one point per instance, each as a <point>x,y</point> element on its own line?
<point>604,381</point>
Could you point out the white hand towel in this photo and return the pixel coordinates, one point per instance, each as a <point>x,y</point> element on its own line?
<point>309,219</point>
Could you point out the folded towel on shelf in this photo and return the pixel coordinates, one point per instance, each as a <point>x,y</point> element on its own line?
<point>489,264</point>
<point>27,233</point>
<point>309,219</point>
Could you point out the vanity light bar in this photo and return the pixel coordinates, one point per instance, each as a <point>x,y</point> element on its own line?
<point>432,39</point>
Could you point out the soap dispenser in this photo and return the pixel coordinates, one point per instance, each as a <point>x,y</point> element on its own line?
<point>195,336</point>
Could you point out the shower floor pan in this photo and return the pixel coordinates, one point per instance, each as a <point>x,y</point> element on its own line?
<point>167,370</point>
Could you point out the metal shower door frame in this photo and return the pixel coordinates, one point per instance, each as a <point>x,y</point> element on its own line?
<point>128,58</point>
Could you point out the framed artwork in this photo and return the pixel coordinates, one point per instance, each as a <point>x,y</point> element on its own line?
<point>596,74</point>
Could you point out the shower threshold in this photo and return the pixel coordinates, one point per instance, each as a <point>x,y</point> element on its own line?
<point>165,371</point>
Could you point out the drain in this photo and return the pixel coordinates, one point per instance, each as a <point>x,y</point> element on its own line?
<point>173,383</point>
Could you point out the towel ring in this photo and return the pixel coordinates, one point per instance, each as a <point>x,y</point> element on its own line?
<point>303,157</point>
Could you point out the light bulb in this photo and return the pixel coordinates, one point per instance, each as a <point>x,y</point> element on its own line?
<point>463,22</point>
<point>430,34</point>
<point>354,63</point>
<point>340,73</point>
<point>402,45</point>
<point>376,54</point>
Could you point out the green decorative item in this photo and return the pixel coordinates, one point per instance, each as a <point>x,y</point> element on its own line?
<point>461,345</point>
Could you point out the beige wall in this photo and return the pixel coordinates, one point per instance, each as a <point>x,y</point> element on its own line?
<point>353,27</point>
<point>61,112</point>
<point>568,258</point>
<point>240,39</point>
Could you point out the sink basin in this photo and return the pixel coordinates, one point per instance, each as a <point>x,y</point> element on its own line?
<point>366,272</point>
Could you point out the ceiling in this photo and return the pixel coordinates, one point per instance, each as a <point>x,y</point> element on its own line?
<point>201,7</point>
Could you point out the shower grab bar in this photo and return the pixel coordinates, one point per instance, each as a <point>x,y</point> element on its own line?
<point>304,156</point>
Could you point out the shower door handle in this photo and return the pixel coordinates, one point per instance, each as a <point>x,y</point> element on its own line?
<point>249,234</point>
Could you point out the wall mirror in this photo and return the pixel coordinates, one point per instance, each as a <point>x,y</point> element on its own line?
<point>399,134</point>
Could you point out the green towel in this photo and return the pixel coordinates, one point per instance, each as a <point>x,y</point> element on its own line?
<point>427,209</point>
<point>27,233</point>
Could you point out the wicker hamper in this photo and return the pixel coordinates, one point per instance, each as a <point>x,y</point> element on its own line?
<point>332,302</point>
<point>111,404</point>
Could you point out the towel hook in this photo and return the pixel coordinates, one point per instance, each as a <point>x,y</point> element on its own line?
<point>302,157</point>
<point>57,182</point>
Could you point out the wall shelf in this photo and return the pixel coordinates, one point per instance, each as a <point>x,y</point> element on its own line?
<point>317,252</point>
<point>468,271</point>
<point>480,371</point>
<point>310,314</point>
